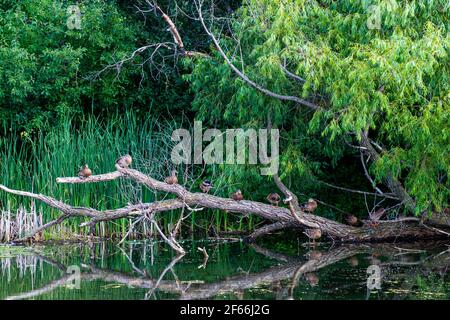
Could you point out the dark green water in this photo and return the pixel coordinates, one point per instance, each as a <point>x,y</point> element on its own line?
<point>146,270</point>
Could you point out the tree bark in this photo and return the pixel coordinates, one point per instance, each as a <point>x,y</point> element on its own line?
<point>279,216</point>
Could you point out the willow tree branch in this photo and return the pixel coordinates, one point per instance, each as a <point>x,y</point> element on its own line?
<point>384,195</point>
<point>291,74</point>
<point>366,172</point>
<point>393,184</point>
<point>242,75</point>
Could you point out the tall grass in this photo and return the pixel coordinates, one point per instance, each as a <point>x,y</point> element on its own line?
<point>33,160</point>
<point>18,224</point>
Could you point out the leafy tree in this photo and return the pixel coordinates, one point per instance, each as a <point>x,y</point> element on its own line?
<point>48,69</point>
<point>386,89</point>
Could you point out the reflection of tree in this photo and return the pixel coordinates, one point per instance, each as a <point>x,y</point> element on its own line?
<point>292,268</point>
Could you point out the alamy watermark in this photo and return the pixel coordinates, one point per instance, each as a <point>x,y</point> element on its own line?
<point>241,146</point>
<point>74,280</point>
<point>375,13</point>
<point>74,19</point>
<point>374,278</point>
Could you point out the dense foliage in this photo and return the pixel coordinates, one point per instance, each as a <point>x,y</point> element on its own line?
<point>392,81</point>
<point>48,69</point>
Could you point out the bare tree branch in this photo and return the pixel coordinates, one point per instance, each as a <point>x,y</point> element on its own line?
<point>241,74</point>
<point>186,199</point>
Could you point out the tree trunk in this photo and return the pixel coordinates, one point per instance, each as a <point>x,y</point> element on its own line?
<point>281,218</point>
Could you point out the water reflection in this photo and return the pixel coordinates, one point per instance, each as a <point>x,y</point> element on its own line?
<point>149,270</point>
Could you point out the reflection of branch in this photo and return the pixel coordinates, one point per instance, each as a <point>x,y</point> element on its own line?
<point>46,289</point>
<point>169,267</point>
<point>292,268</point>
<point>205,257</point>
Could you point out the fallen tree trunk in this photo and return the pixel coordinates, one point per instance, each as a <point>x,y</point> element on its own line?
<point>280,217</point>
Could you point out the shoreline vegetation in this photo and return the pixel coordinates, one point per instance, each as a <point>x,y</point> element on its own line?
<point>150,143</point>
<point>280,218</point>
<point>35,159</point>
<point>362,115</point>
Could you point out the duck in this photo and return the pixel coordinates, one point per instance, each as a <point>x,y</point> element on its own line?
<point>312,279</point>
<point>237,196</point>
<point>84,172</point>
<point>377,215</point>
<point>274,199</point>
<point>205,186</point>
<point>315,255</point>
<point>172,179</point>
<point>313,234</point>
<point>309,206</point>
<point>354,262</point>
<point>124,161</point>
<point>351,220</point>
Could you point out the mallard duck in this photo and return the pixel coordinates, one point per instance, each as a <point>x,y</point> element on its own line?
<point>309,206</point>
<point>354,262</point>
<point>124,161</point>
<point>172,179</point>
<point>312,279</point>
<point>205,186</point>
<point>274,199</point>
<point>237,195</point>
<point>315,255</point>
<point>351,220</point>
<point>313,234</point>
<point>84,172</point>
<point>377,215</point>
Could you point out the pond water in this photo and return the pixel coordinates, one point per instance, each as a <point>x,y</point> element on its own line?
<point>234,270</point>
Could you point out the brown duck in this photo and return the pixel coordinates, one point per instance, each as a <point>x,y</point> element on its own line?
<point>313,234</point>
<point>377,215</point>
<point>206,186</point>
<point>124,161</point>
<point>237,196</point>
<point>312,279</point>
<point>274,199</point>
<point>84,172</point>
<point>315,255</point>
<point>309,206</point>
<point>172,179</point>
<point>352,220</point>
